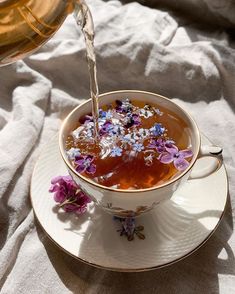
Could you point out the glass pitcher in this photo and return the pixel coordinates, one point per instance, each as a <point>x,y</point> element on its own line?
<point>27,24</point>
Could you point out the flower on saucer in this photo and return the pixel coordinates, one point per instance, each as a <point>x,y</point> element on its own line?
<point>84,163</point>
<point>116,151</point>
<point>69,195</point>
<point>73,152</point>
<point>173,154</point>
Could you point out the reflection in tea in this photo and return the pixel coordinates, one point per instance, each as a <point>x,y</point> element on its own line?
<point>139,146</point>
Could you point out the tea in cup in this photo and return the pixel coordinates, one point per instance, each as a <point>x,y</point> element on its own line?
<point>146,149</point>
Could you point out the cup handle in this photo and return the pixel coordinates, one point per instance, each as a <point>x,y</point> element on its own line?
<point>205,169</point>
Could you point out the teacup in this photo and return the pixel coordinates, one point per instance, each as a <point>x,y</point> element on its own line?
<point>131,203</point>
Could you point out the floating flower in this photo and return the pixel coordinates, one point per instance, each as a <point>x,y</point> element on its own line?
<point>157,129</point>
<point>173,154</point>
<point>143,133</point>
<point>69,195</point>
<point>132,120</point>
<point>117,130</point>
<point>106,128</point>
<point>105,114</point>
<point>145,113</point>
<point>160,144</point>
<point>138,147</point>
<point>84,163</point>
<point>128,139</point>
<point>116,151</point>
<point>123,106</point>
<point>73,152</point>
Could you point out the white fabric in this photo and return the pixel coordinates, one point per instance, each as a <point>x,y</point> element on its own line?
<point>137,48</point>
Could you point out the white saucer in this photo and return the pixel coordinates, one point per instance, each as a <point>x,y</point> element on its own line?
<point>173,230</point>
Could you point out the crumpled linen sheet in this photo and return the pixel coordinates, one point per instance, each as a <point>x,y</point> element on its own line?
<point>161,49</point>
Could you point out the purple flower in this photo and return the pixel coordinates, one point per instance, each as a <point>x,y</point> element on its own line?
<point>123,106</point>
<point>116,151</point>
<point>106,128</point>
<point>78,204</point>
<point>160,144</point>
<point>84,163</point>
<point>157,129</point>
<point>62,186</point>
<point>172,154</point>
<point>132,120</point>
<point>69,195</point>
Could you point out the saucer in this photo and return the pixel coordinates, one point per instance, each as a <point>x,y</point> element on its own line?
<point>173,230</point>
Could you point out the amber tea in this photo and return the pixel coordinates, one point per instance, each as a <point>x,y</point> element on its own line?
<point>139,146</point>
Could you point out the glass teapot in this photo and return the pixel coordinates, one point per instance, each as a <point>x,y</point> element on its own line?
<point>27,24</point>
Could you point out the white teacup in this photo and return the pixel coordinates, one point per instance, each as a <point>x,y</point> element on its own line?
<point>129,203</point>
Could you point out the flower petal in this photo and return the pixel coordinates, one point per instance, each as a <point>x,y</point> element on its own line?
<point>186,153</point>
<point>91,169</point>
<point>181,164</point>
<point>171,149</point>
<point>166,157</point>
<point>59,197</point>
<point>80,168</point>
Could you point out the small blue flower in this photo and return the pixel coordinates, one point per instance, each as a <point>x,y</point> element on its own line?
<point>116,151</point>
<point>138,147</point>
<point>143,133</point>
<point>109,114</point>
<point>105,114</point>
<point>145,113</point>
<point>117,130</point>
<point>157,129</point>
<point>73,152</point>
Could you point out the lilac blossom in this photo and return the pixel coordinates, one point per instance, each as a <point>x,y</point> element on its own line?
<point>138,147</point>
<point>105,114</point>
<point>84,163</point>
<point>145,113</point>
<point>73,152</point>
<point>123,106</point>
<point>106,128</point>
<point>116,151</point>
<point>172,154</point>
<point>160,144</point>
<point>68,195</point>
<point>157,129</point>
<point>132,120</point>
